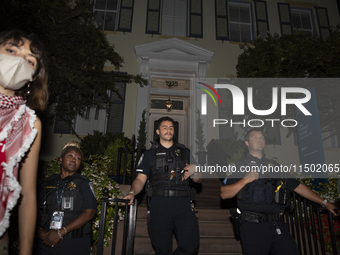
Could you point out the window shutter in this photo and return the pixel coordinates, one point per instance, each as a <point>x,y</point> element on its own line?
<point>323,22</point>
<point>152,17</point>
<point>125,16</point>
<point>221,20</point>
<point>196,19</point>
<point>261,15</point>
<point>285,19</point>
<point>61,127</point>
<point>116,111</point>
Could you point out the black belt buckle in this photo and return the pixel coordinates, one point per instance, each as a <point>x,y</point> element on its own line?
<point>171,193</point>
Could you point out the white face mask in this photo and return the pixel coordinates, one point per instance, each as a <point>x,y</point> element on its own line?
<point>15,72</point>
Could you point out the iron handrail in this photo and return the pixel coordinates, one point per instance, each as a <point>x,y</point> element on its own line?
<point>129,225</point>
<point>305,228</point>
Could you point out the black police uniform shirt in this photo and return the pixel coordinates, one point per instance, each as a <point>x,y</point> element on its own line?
<point>148,160</point>
<point>236,175</point>
<point>86,193</point>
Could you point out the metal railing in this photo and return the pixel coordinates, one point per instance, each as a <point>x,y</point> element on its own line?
<point>304,219</point>
<point>124,155</point>
<point>129,225</point>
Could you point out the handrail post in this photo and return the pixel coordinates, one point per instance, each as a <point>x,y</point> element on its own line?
<point>132,227</point>
<point>102,222</point>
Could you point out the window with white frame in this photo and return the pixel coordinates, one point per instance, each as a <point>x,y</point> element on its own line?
<point>105,14</point>
<point>302,20</point>
<point>114,15</point>
<point>240,22</point>
<point>234,20</point>
<point>293,19</point>
<point>174,17</point>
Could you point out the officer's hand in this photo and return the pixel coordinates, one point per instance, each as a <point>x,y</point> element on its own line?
<point>251,176</point>
<point>332,208</point>
<point>187,172</point>
<point>52,238</point>
<point>131,197</point>
<point>42,234</point>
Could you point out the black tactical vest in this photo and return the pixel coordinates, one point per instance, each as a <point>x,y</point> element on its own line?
<point>71,203</point>
<point>167,172</point>
<point>258,192</point>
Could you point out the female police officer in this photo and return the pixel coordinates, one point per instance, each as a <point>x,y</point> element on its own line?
<point>67,205</point>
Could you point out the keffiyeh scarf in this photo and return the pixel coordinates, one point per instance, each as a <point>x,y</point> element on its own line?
<point>17,133</point>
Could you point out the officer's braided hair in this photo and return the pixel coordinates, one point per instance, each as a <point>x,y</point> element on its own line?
<point>246,136</point>
<point>166,118</point>
<point>71,146</point>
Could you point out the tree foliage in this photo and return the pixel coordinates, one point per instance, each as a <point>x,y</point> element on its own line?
<point>77,52</point>
<point>296,56</point>
<point>291,56</point>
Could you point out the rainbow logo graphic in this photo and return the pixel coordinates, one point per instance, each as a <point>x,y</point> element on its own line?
<point>204,97</point>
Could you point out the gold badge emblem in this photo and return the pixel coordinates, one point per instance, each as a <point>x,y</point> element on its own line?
<point>71,186</point>
<point>178,152</point>
<point>271,164</point>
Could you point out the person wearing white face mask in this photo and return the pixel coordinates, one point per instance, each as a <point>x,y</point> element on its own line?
<point>23,89</point>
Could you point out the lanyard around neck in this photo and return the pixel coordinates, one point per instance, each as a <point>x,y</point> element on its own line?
<point>61,195</point>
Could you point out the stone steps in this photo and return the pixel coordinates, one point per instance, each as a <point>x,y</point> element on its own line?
<point>216,231</point>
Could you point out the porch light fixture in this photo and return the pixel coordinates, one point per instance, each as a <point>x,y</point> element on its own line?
<point>168,104</point>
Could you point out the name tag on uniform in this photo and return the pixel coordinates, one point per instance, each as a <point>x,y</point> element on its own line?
<point>57,220</point>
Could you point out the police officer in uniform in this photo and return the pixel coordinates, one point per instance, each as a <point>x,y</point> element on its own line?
<point>167,166</point>
<point>262,228</point>
<point>66,206</point>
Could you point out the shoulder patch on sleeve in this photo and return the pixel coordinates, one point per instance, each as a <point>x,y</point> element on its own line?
<point>92,189</point>
<point>140,159</point>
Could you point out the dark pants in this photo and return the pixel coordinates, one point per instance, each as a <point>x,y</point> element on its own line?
<point>170,215</point>
<point>262,239</point>
<point>68,246</point>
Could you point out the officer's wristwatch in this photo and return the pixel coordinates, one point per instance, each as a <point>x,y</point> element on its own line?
<point>131,192</point>
<point>324,203</point>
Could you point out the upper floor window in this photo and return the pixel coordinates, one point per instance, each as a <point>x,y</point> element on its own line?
<point>234,21</point>
<point>240,23</point>
<point>106,14</point>
<point>293,19</point>
<point>175,18</point>
<point>114,15</point>
<point>302,20</point>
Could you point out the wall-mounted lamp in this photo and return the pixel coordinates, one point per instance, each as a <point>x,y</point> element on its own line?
<point>168,104</point>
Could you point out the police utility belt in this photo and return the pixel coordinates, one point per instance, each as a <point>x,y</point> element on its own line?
<point>248,216</point>
<point>173,193</point>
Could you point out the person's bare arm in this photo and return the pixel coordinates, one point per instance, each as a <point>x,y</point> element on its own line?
<point>28,202</point>
<point>229,191</point>
<point>306,192</point>
<point>136,187</point>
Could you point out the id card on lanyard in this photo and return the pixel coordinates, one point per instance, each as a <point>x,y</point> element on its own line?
<point>58,216</point>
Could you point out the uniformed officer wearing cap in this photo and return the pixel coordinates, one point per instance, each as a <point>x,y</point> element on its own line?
<point>167,166</point>
<point>262,228</point>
